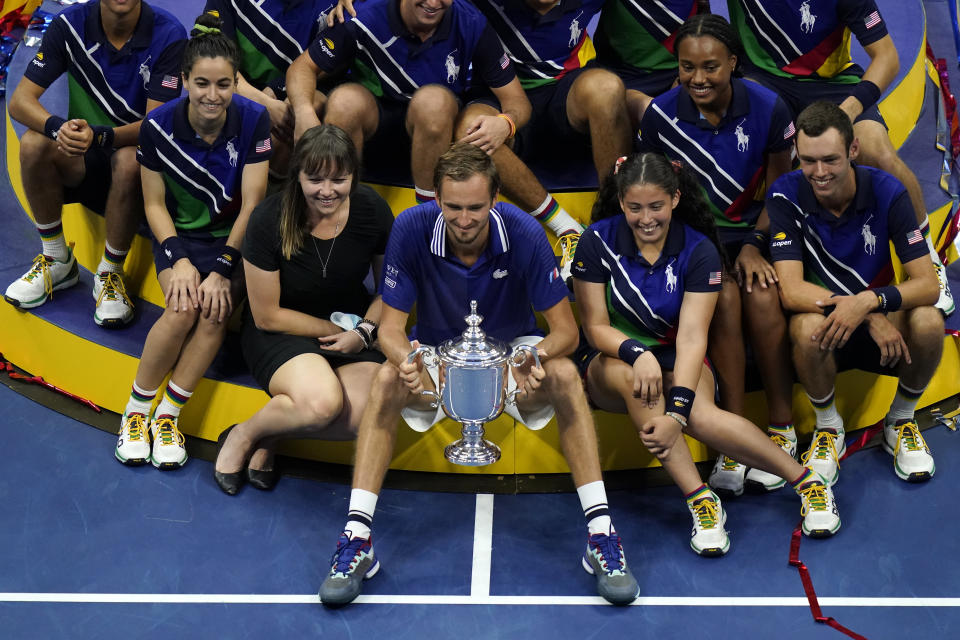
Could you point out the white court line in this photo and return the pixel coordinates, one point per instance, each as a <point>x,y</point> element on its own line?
<point>482,546</point>
<point>667,601</point>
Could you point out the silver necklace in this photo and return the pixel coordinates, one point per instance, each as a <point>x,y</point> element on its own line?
<point>324,263</point>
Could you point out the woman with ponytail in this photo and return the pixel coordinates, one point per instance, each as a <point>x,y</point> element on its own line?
<point>647,277</point>
<point>203,167</point>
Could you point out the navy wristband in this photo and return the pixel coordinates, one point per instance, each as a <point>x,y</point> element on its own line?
<point>888,298</point>
<point>173,250</point>
<point>758,239</point>
<point>867,93</point>
<point>681,401</point>
<point>226,262</point>
<point>630,350</point>
<point>52,126</point>
<point>102,137</point>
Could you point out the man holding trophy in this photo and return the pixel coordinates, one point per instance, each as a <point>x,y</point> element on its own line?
<point>442,257</point>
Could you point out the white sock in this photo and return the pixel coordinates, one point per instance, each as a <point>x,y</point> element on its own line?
<point>593,500</point>
<point>173,400</point>
<point>116,264</point>
<point>826,410</point>
<point>360,515</point>
<point>54,246</point>
<point>140,400</point>
<point>551,214</point>
<point>904,404</point>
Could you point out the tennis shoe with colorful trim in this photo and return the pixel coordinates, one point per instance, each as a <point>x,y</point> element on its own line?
<point>945,301</point>
<point>823,456</point>
<point>114,308</point>
<point>708,537</point>
<point>912,459</point>
<point>133,443</point>
<point>567,245</point>
<point>727,477</point>
<point>786,440</point>
<point>169,451</point>
<point>821,519</point>
<point>351,564</point>
<point>604,558</point>
<point>37,285</point>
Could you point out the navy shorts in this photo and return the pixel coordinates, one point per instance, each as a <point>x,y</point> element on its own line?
<point>652,83</point>
<point>97,174</point>
<point>203,252</point>
<point>861,352</point>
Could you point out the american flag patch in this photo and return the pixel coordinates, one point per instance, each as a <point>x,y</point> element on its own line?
<point>914,237</point>
<point>789,131</point>
<point>170,82</point>
<point>262,146</point>
<point>504,62</point>
<point>872,20</point>
<point>715,277</point>
<point>554,275</point>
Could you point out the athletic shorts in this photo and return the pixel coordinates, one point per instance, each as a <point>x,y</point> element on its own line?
<point>861,352</point>
<point>97,174</point>
<point>798,94</point>
<point>203,252</point>
<point>652,83</point>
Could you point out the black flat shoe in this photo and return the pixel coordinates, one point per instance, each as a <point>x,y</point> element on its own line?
<point>263,480</point>
<point>229,483</point>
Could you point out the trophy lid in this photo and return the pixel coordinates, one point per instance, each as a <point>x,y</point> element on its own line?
<point>473,348</point>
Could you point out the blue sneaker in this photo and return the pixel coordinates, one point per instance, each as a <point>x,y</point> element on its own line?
<point>352,563</point>
<point>604,558</point>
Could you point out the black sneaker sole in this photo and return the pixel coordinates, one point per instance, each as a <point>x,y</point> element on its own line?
<point>131,462</point>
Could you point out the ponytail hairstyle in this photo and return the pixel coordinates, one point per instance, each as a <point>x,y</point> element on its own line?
<point>323,150</point>
<point>657,169</point>
<point>208,41</point>
<point>716,27</point>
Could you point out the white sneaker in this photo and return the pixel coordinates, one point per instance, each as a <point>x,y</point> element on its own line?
<point>709,538</point>
<point>168,450</point>
<point>945,301</point>
<point>786,440</point>
<point>823,456</point>
<point>114,308</point>
<point>727,476</point>
<point>133,445</point>
<point>567,245</point>
<point>911,455</point>
<point>821,519</point>
<point>37,285</point>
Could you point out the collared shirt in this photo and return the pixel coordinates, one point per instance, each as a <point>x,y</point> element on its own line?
<point>271,34</point>
<point>515,275</point>
<point>110,87</point>
<point>643,299</point>
<point>203,181</point>
<point>545,47</point>
<point>392,62</point>
<point>850,253</point>
<point>729,160</point>
<point>806,38</point>
<point>640,34</point>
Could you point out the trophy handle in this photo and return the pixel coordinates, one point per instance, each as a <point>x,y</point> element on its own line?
<point>516,359</point>
<point>429,359</point>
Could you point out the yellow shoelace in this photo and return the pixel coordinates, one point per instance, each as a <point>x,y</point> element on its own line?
<point>729,464</point>
<point>705,511</point>
<point>824,444</point>
<point>814,496</point>
<point>168,433</point>
<point>909,434</point>
<point>782,441</point>
<point>41,267</point>
<point>134,426</point>
<point>567,246</point>
<point>111,288</point>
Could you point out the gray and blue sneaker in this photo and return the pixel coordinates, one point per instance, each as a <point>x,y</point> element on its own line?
<point>604,559</point>
<point>352,563</point>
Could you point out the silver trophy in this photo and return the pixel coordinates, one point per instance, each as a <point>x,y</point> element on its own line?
<point>473,372</point>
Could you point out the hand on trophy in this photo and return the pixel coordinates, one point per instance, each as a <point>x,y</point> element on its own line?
<point>659,434</point>
<point>411,369</point>
<point>529,375</point>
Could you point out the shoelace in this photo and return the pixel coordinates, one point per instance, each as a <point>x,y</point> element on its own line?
<point>41,267</point>
<point>909,434</point>
<point>814,496</point>
<point>111,288</point>
<point>608,552</point>
<point>824,443</point>
<point>135,427</point>
<point>347,554</point>
<point>729,464</point>
<point>782,441</point>
<point>567,245</point>
<point>705,511</point>
<point>167,432</point>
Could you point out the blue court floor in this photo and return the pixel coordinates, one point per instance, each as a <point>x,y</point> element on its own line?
<point>92,549</point>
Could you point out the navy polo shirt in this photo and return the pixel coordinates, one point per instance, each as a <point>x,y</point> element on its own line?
<point>545,47</point>
<point>806,38</point>
<point>851,253</point>
<point>203,180</point>
<point>641,34</point>
<point>643,299</point>
<point>110,87</point>
<point>515,276</point>
<point>271,34</point>
<point>729,160</point>
<point>392,62</point>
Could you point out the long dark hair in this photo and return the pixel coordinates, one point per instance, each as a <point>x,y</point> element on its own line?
<point>656,169</point>
<point>207,41</point>
<point>716,27</point>
<point>327,150</point>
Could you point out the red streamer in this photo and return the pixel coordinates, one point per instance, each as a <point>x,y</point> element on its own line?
<point>6,366</point>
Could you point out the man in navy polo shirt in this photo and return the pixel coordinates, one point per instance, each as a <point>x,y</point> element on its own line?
<point>122,60</point>
<point>410,62</point>
<point>439,258</point>
<point>831,223</point>
<point>801,50</point>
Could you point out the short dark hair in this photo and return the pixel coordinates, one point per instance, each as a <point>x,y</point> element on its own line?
<point>461,162</point>
<point>713,26</point>
<point>823,115</point>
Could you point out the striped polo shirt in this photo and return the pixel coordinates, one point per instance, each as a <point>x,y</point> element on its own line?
<point>545,47</point>
<point>806,38</point>
<point>107,86</point>
<point>392,62</point>
<point>729,160</point>
<point>515,275</point>
<point>271,34</point>
<point>643,299</point>
<point>203,180</point>
<point>850,253</point>
<point>640,34</point>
